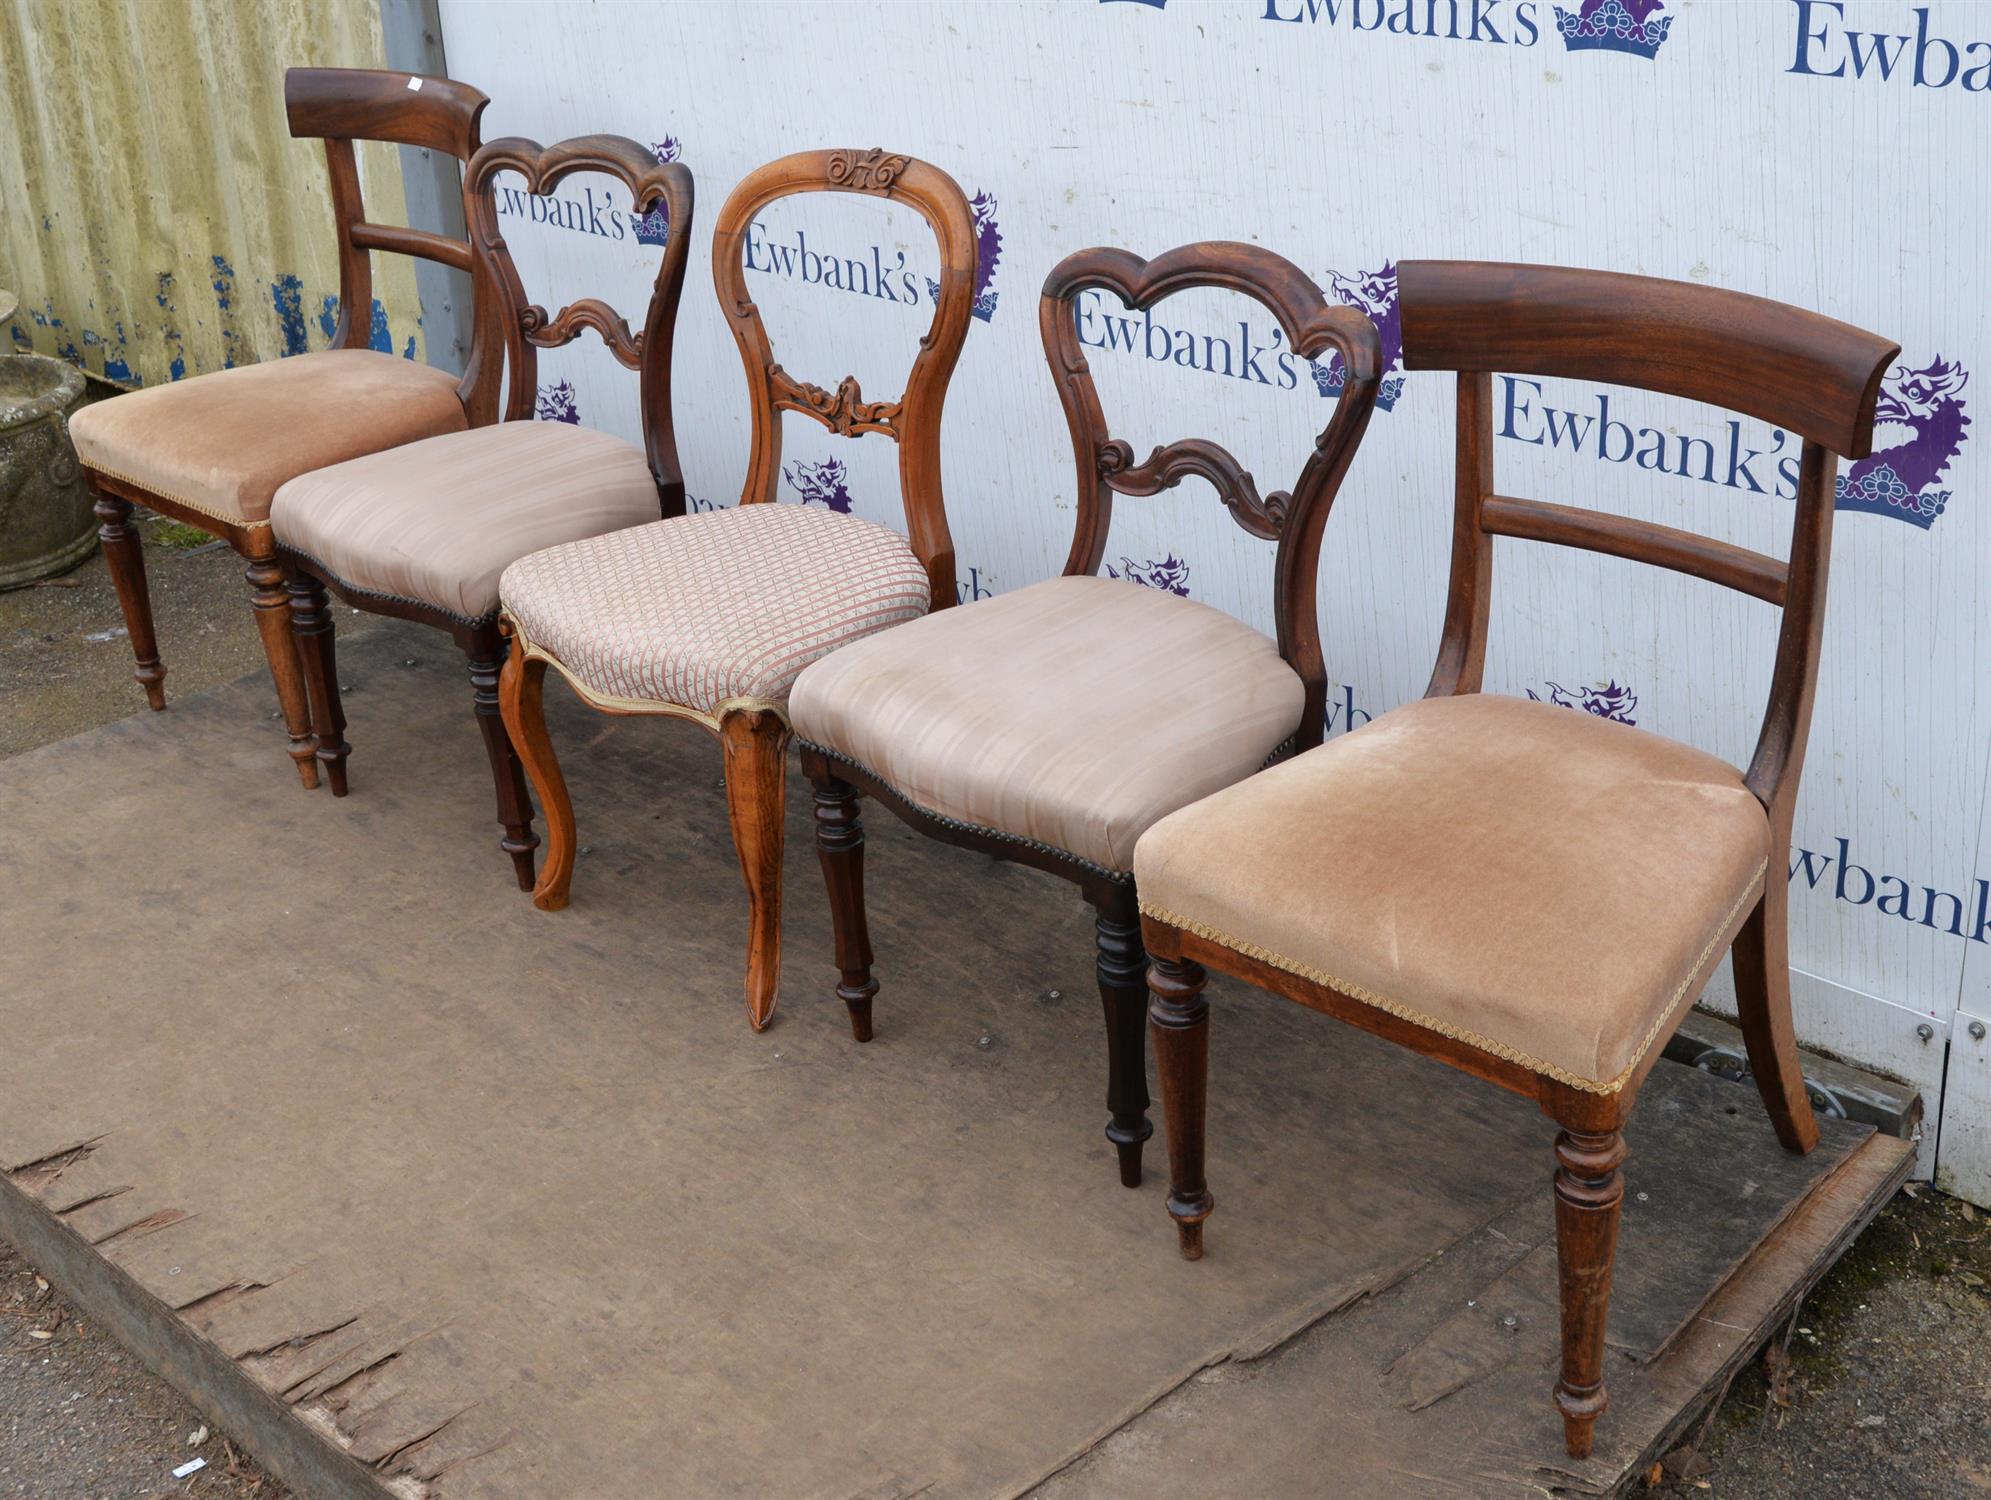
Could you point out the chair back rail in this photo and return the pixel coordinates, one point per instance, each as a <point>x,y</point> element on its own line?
<point>343,105</point>
<point>1293,519</point>
<point>913,420</point>
<point>1813,375</point>
<point>510,329</point>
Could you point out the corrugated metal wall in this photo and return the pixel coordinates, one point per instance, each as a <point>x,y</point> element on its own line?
<point>131,255</point>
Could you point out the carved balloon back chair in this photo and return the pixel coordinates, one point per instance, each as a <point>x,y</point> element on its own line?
<point>423,533</point>
<point>1052,725</point>
<point>1531,893</point>
<point>213,451</point>
<point>710,617</point>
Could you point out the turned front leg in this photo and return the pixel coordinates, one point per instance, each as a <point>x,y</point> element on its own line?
<point>1122,966</point>
<point>840,850</point>
<point>1589,1191</point>
<point>311,622</point>
<point>272,606</point>
<point>125,555</point>
<point>520,688</point>
<point>1180,1019</point>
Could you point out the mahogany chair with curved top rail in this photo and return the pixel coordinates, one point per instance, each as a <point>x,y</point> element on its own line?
<point>1052,725</point>
<point>423,532</point>
<point>212,451</point>
<point>710,617</point>
<point>1534,895</point>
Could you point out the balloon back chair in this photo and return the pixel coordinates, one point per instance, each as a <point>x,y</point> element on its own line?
<point>423,532</point>
<point>213,451</point>
<point>1052,725</point>
<point>710,617</point>
<point>1532,894</point>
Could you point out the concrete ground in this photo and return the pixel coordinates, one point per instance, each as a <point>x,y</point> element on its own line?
<point>1883,1391</point>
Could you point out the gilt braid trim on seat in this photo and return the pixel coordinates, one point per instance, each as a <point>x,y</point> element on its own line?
<point>1484,1044</point>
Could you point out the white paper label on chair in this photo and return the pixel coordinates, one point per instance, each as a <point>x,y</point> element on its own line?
<point>414,85</point>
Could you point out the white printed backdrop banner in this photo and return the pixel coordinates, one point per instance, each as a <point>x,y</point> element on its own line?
<point>1824,154</point>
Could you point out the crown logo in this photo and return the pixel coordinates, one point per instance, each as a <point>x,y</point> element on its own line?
<point>1904,480</point>
<point>1374,293</point>
<point>1614,26</point>
<point>654,228</point>
<point>988,251</point>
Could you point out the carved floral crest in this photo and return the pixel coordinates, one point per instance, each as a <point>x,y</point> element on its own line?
<point>870,171</point>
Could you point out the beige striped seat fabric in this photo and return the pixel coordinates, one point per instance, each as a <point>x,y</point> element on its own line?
<point>436,522</point>
<point>222,444</point>
<point>1073,713</point>
<point>715,609</point>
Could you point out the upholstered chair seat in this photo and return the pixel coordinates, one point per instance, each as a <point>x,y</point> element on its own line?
<point>1536,881</point>
<point>1035,714</point>
<point>436,522</point>
<point>714,611</point>
<point>223,444</point>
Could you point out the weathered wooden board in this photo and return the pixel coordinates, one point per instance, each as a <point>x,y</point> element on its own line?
<point>424,1191</point>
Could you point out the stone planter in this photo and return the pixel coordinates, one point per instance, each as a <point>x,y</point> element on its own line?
<point>46,524</point>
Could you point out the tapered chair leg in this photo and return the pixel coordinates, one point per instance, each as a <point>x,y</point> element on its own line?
<point>486,651</point>
<point>755,742</point>
<point>840,849</point>
<point>125,555</point>
<point>272,605</point>
<point>1180,1019</point>
<point>311,625</point>
<point>1761,960</point>
<point>1589,1192</point>
<point>520,686</point>
<point>1123,974</point>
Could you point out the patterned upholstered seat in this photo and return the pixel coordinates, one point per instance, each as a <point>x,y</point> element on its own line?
<point>222,444</point>
<point>714,610</point>
<point>436,522</point>
<point>1072,713</point>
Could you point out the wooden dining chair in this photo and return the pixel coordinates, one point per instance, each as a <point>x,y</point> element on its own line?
<point>709,617</point>
<point>1532,895</point>
<point>212,451</point>
<point>1051,726</point>
<point>423,532</point>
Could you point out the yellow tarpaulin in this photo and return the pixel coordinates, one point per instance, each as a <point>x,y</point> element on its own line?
<point>130,253</point>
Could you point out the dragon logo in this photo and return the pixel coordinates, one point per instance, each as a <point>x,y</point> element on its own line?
<point>1905,480</point>
<point>556,403</point>
<point>1170,575</point>
<point>1374,293</point>
<point>820,484</point>
<point>1606,701</point>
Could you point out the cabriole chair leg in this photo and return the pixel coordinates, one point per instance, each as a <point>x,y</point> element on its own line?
<point>311,624</point>
<point>840,849</point>
<point>486,652</point>
<point>125,556</point>
<point>272,606</point>
<point>1589,1192</point>
<point>755,743</point>
<point>520,689</point>
<point>1123,970</point>
<point>1180,1019</point>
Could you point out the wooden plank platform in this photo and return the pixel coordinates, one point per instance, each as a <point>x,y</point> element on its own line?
<point>425,1193</point>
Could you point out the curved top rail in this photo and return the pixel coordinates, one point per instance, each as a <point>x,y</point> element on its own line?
<point>913,420</point>
<point>374,104</point>
<point>1812,374</point>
